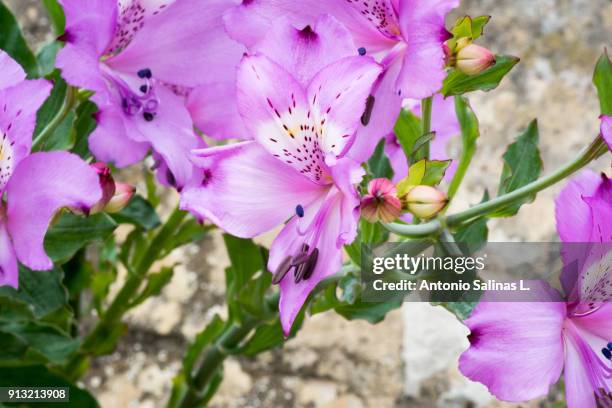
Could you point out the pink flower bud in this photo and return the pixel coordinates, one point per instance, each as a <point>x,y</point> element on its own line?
<point>473,59</point>
<point>425,201</point>
<point>106,183</point>
<point>381,202</point>
<point>123,194</point>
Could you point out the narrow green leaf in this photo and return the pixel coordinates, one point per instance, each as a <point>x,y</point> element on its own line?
<point>46,58</point>
<point>73,232</point>
<point>12,41</point>
<point>379,164</point>
<point>155,283</point>
<point>56,15</point>
<point>138,212</point>
<point>84,125</point>
<point>522,165</point>
<point>458,83</point>
<point>203,339</point>
<point>266,337</point>
<point>602,78</point>
<point>408,130</point>
<point>478,25</point>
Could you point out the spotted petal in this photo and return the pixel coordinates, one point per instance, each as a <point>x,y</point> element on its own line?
<point>274,108</point>
<point>42,184</point>
<point>338,96</point>
<point>182,45</point>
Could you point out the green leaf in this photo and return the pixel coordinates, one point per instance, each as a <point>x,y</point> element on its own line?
<point>245,257</point>
<point>458,83</point>
<point>602,78</point>
<point>155,283</point>
<point>203,339</point>
<point>191,231</point>
<point>522,165</point>
<point>266,337</point>
<point>478,25</point>
<point>424,172</point>
<point>12,41</point>
<point>462,310</point>
<point>468,121</point>
<point>52,105</point>
<point>474,236</point>
<point>379,164</point>
<point>41,291</point>
<point>43,340</point>
<point>138,212</point>
<point>408,130</point>
<point>39,376</point>
<point>56,15</point>
<point>73,232</point>
<point>84,125</point>
<point>46,58</point>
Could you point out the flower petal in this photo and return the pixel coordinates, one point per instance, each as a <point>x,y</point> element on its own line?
<point>171,135</point>
<point>90,24</point>
<point>250,21</point>
<point>584,364</point>
<point>515,347</point>
<point>42,184</point>
<point>293,295</point>
<point>387,106</point>
<point>80,67</point>
<point>574,221</point>
<point>18,107</point>
<point>606,130</point>
<point>9,272</point>
<point>11,72</point>
<point>305,51</point>
<point>246,199</point>
<point>214,110</point>
<point>274,108</point>
<point>338,96</point>
<point>422,26</point>
<point>179,42</point>
<point>110,142</point>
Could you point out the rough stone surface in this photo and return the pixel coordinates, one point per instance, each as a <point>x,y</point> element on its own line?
<point>410,359</point>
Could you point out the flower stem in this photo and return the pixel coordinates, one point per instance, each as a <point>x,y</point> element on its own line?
<point>435,227</point>
<point>107,324</point>
<point>69,101</point>
<point>426,107</point>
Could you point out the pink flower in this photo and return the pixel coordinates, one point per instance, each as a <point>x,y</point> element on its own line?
<point>519,349</point>
<point>406,36</point>
<point>301,99</point>
<point>139,59</point>
<point>36,185</point>
<point>381,202</point>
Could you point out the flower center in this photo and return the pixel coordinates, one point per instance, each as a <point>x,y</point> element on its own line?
<point>305,260</point>
<point>7,160</point>
<point>144,101</point>
<point>598,371</point>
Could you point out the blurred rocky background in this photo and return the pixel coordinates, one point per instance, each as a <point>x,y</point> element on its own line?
<point>410,359</point>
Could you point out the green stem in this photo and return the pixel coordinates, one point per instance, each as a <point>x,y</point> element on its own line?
<point>426,107</point>
<point>230,339</point>
<point>435,227</point>
<point>120,305</point>
<point>587,155</point>
<point>69,101</point>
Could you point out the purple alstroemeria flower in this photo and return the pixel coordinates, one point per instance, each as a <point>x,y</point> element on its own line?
<point>406,36</point>
<point>302,101</point>
<point>140,58</point>
<point>32,187</point>
<point>519,349</point>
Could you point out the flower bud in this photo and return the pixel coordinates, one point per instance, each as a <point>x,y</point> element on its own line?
<point>106,182</point>
<point>381,202</point>
<point>425,201</point>
<point>473,59</point>
<point>123,194</point>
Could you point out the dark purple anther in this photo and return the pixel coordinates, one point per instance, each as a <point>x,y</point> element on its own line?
<point>144,88</point>
<point>144,73</point>
<point>148,116</point>
<point>362,51</point>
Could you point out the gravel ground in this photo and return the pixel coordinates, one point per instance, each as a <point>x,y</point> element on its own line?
<point>409,360</point>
